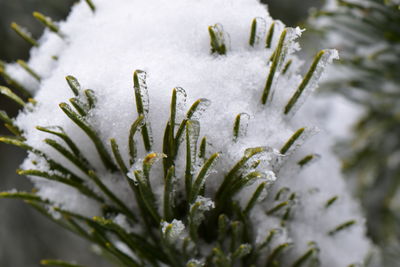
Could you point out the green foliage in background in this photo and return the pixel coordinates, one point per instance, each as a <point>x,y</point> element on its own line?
<point>367,34</point>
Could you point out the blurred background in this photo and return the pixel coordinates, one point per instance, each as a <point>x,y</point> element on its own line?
<point>26,237</point>
<point>291,12</point>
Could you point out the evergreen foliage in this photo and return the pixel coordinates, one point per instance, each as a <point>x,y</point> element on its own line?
<point>368,35</point>
<point>194,221</point>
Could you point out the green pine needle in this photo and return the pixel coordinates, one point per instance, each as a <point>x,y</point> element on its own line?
<point>24,34</point>
<point>91,5</point>
<point>9,94</point>
<point>48,23</point>
<point>274,66</point>
<point>58,263</point>
<point>304,82</point>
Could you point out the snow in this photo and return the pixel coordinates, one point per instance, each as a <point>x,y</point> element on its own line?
<point>204,203</point>
<point>176,229</point>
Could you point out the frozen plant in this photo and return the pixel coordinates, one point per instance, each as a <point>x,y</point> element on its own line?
<point>367,33</point>
<point>200,157</point>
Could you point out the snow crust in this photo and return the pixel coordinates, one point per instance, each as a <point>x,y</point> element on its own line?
<point>169,40</point>
<point>176,229</point>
